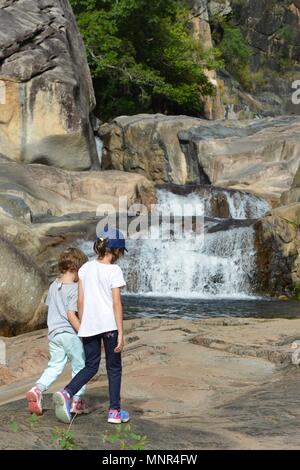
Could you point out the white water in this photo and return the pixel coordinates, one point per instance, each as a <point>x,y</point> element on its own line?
<point>182,268</point>
<point>99,147</point>
<point>221,266</point>
<point>241,205</point>
<point>246,206</point>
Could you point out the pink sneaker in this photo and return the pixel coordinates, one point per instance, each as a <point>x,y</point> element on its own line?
<point>118,416</point>
<point>34,399</point>
<point>79,407</point>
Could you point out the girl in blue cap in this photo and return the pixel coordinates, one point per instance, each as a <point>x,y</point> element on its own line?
<point>101,315</point>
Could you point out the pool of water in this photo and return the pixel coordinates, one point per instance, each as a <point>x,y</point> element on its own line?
<point>136,306</point>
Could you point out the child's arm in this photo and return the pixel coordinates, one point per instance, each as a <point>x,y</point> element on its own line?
<point>118,311</point>
<point>73,319</point>
<point>80,300</point>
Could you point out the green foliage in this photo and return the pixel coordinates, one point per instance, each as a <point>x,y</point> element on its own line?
<point>284,64</point>
<point>125,438</point>
<point>285,34</point>
<point>63,439</point>
<point>33,420</point>
<point>143,56</point>
<point>296,291</point>
<point>236,54</point>
<point>276,8</point>
<point>14,427</point>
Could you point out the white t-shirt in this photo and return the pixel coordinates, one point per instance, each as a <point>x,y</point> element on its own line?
<point>98,280</point>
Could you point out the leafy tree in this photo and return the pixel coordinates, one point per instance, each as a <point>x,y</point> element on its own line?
<point>234,47</point>
<point>143,56</point>
<point>235,51</point>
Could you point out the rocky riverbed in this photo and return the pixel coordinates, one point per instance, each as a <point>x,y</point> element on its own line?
<point>208,384</point>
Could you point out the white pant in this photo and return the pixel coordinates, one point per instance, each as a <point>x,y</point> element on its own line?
<point>63,347</point>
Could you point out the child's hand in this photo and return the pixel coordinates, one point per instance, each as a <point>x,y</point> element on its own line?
<point>120,344</point>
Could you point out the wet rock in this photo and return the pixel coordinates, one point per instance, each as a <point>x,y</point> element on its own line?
<point>278,250</point>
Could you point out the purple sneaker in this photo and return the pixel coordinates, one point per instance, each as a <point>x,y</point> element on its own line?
<point>118,417</point>
<point>62,402</point>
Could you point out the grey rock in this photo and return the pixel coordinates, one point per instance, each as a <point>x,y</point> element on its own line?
<point>278,250</point>
<point>22,286</point>
<point>147,144</point>
<point>44,72</point>
<point>239,155</point>
<point>272,31</point>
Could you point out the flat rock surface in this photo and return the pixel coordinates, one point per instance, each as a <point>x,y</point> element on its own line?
<point>208,384</point>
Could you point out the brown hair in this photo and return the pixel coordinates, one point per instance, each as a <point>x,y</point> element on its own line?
<point>71,260</point>
<point>101,249</point>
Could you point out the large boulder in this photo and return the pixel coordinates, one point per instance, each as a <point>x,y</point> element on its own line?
<point>22,286</point>
<point>293,195</point>
<point>29,192</point>
<point>44,210</point>
<point>259,156</point>
<point>44,72</point>
<point>147,144</point>
<point>278,250</point>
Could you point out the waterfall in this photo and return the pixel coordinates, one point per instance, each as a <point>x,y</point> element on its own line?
<point>246,206</point>
<point>99,147</point>
<point>238,205</point>
<point>221,266</point>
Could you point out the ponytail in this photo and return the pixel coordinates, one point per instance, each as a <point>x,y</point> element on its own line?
<point>100,247</point>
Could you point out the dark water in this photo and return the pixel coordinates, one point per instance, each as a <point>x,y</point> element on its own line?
<point>193,309</point>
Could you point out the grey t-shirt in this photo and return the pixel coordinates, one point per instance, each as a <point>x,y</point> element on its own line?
<point>60,299</point>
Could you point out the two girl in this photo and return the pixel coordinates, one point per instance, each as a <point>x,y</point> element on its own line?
<point>101,319</point>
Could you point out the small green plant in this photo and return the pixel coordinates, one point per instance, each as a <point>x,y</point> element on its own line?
<point>296,291</point>
<point>285,34</point>
<point>284,64</point>
<point>277,9</point>
<point>236,53</point>
<point>125,438</point>
<point>64,439</point>
<point>33,420</point>
<point>14,427</point>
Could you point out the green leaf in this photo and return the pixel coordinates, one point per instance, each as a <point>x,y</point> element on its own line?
<point>33,420</point>
<point>14,425</point>
<point>113,438</point>
<point>134,436</point>
<point>122,445</point>
<point>144,57</point>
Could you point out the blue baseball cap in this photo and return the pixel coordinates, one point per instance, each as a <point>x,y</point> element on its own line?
<point>115,238</point>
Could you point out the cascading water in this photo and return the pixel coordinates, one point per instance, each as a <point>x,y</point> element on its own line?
<point>246,206</point>
<point>222,266</point>
<point>99,147</point>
